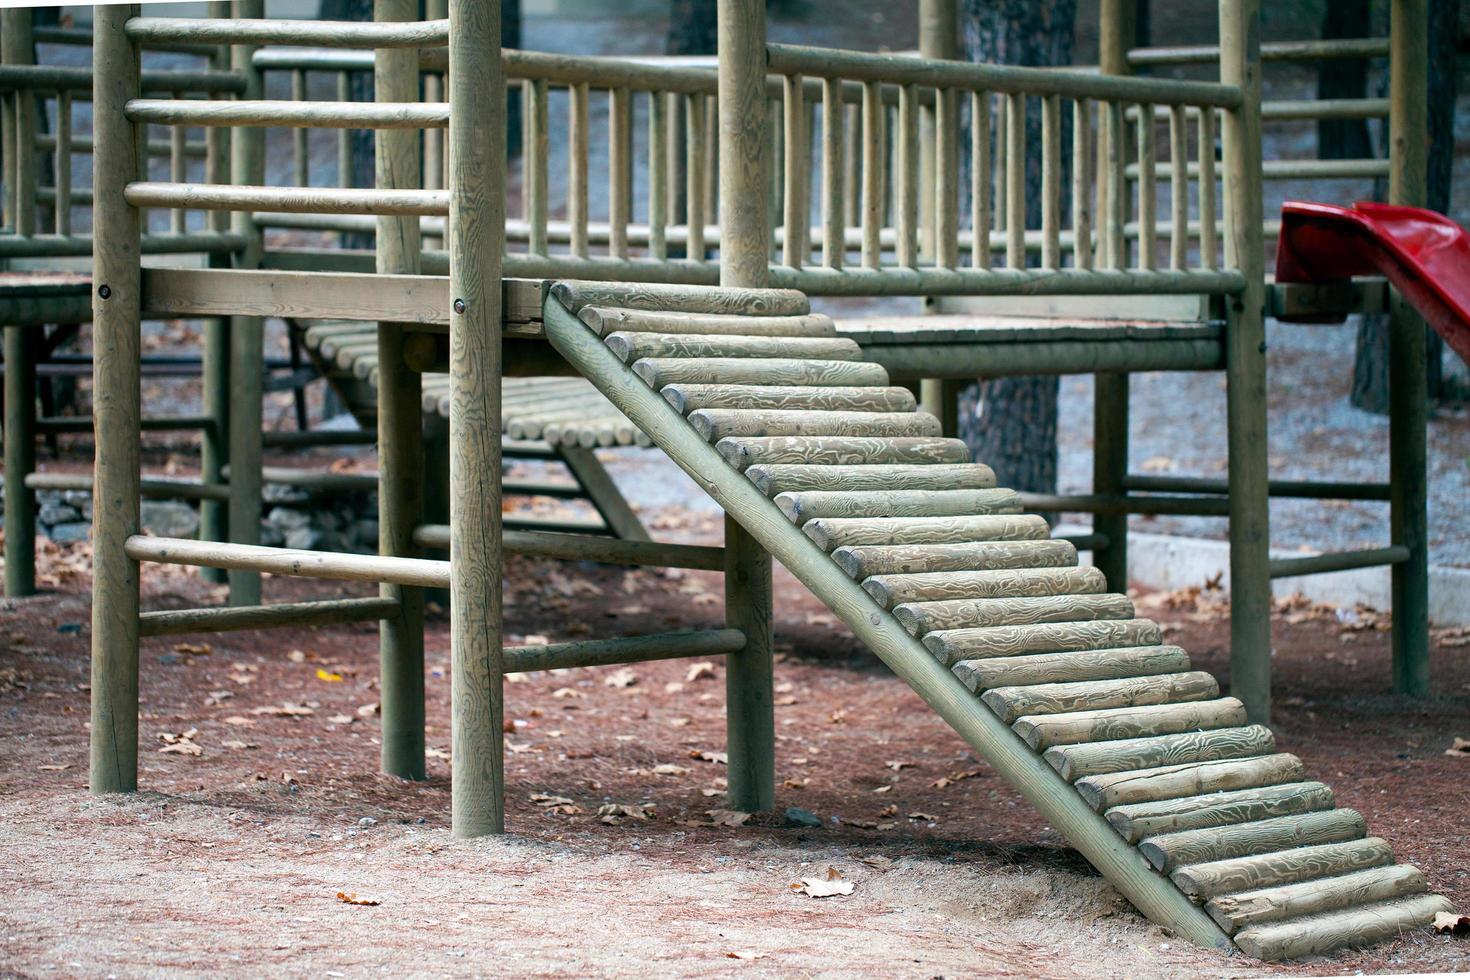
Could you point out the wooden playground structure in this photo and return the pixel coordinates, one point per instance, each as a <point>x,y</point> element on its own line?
<point>786,172</point>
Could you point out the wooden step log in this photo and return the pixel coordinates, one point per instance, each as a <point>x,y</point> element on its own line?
<point>808,505</point>
<point>660,372</point>
<point>1104,791</point>
<point>668,297</point>
<point>715,424</point>
<point>1135,821</point>
<point>920,618</point>
<point>838,532</point>
<point>775,479</point>
<point>1202,882</point>
<point>749,451</point>
<point>952,646</point>
<point>630,347</point>
<point>1103,726</point>
<point>1085,665</point>
<point>1352,927</point>
<point>1169,851</point>
<point>861,561</point>
<point>688,398</point>
<point>1010,703</point>
<point>1266,905</point>
<point>926,588</point>
<point>609,319</point>
<point>1094,758</point>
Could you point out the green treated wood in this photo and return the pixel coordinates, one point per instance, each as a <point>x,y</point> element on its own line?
<point>1188,779</point>
<point>631,346</point>
<point>606,320</point>
<point>1013,611</point>
<point>718,423</point>
<point>20,459</point>
<point>1111,421</point>
<point>476,242</point>
<point>860,561</point>
<point>400,422</point>
<point>623,650</point>
<point>1061,807</point>
<point>1072,728</point>
<point>806,505</point>
<point>747,451</point>
<point>116,325</point>
<point>661,371</point>
<point>1265,905</point>
<point>1011,703</point>
<point>929,590</point>
<point>1076,761</point>
<point>1212,878</point>
<point>326,612</point>
<point>772,479</point>
<point>687,398</point>
<point>214,446</point>
<point>837,532</point>
<point>599,488</point>
<point>246,336</point>
<point>1136,821</point>
<point>1080,666</point>
<point>749,698</point>
<point>1348,928</point>
<point>1169,851</point>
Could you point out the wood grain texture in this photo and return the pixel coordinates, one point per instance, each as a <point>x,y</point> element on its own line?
<point>749,451</point>
<point>1205,881</point>
<point>1057,698</point>
<point>1136,821</point>
<point>1169,851</point>
<point>631,346</point>
<point>1337,930</point>
<point>719,423</point>
<point>661,371</point>
<point>809,504</point>
<point>837,532</point>
<point>1098,727</point>
<point>609,319</point>
<point>1087,665</point>
<point>668,298</point>
<point>1076,761</point>
<point>687,398</point>
<point>1104,791</point>
<point>983,613</point>
<point>1265,905</point>
<point>1010,641</point>
<point>779,478</point>
<point>861,561</point>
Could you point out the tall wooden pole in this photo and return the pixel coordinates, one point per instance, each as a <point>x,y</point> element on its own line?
<point>939,32</point>
<point>1245,365</point>
<point>744,261</point>
<point>214,446</point>
<point>247,335</point>
<point>117,407</point>
<point>1111,418</point>
<point>1408,89</point>
<point>400,420</point>
<point>476,240</point>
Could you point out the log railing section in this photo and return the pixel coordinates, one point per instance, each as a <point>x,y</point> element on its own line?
<point>1093,133</point>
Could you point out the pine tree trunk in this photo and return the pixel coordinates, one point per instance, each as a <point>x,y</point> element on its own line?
<point>1011,423</point>
<point>1370,364</point>
<point>1339,78</point>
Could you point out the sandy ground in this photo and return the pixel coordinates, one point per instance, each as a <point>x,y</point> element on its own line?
<point>232,858</point>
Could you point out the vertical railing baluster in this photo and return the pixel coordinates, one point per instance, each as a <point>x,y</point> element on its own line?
<point>1209,252</point>
<point>658,175</point>
<point>1114,183</point>
<point>178,169</point>
<point>1051,182</point>
<point>798,170</point>
<point>834,229</point>
<point>1082,184</point>
<point>536,151</point>
<point>872,174</point>
<point>980,180</point>
<point>344,136</point>
<point>577,186</point>
<point>62,163</point>
<point>1015,182</point>
<point>1148,190</point>
<point>1178,188</point>
<point>946,179</point>
<point>907,166</point>
<point>619,170</point>
<point>299,145</point>
<point>776,175</point>
<point>852,157</point>
<point>695,159</point>
<point>711,169</point>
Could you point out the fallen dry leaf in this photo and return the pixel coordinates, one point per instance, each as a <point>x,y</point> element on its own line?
<point>744,954</point>
<point>181,743</point>
<point>877,861</point>
<point>669,769</point>
<point>567,692</point>
<point>433,753</point>
<point>283,710</point>
<point>1452,923</point>
<point>238,745</point>
<point>193,649</point>
<point>832,883</point>
<point>328,676</point>
<point>721,758</point>
<point>555,804</point>
<point>698,671</point>
<point>341,719</point>
<point>729,818</point>
<point>623,677</point>
<point>955,777</point>
<point>613,813</point>
<point>1459,747</point>
<point>53,768</point>
<point>367,710</point>
<point>896,765</point>
<point>926,817</point>
<point>350,898</point>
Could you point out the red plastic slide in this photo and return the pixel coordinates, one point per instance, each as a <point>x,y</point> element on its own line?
<point>1425,255</point>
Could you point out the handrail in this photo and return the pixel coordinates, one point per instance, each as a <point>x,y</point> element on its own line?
<point>791,59</point>
<point>264,112</point>
<point>1314,50</point>
<point>320,33</point>
<point>78,79</point>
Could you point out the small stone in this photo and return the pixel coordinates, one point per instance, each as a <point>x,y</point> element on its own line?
<point>169,518</point>
<point>304,538</point>
<point>366,822</point>
<point>288,519</point>
<point>797,817</point>
<point>69,533</point>
<point>58,514</point>
<point>271,536</point>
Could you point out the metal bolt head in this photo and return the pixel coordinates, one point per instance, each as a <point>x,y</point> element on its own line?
<point>104,290</point>
<point>459,306</point>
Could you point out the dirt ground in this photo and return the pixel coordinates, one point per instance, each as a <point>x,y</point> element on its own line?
<point>261,802</point>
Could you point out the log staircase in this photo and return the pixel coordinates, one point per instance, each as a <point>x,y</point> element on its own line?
<point>1125,748</point>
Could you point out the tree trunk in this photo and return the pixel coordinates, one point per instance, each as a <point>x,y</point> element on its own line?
<point>1339,78</point>
<point>1370,365</point>
<point>1011,423</point>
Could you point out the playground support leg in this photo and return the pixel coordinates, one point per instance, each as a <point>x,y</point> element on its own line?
<point>744,262</point>
<point>20,460</point>
<point>476,239</point>
<point>749,713</point>
<point>214,450</point>
<point>116,326</point>
<point>247,337</point>
<point>1245,366</point>
<point>1110,424</point>
<point>400,424</point>
<point>1407,383</point>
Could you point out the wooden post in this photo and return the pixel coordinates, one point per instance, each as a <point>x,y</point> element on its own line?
<point>938,38</point>
<point>18,49</point>
<point>247,336</point>
<point>1111,419</point>
<point>1245,365</point>
<point>476,241</point>
<point>214,445</point>
<point>1408,385</point>
<point>20,459</point>
<point>117,407</point>
<point>400,420</point>
<point>750,718</point>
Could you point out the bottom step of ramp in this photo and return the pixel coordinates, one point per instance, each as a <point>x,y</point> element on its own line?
<point>1120,744</point>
